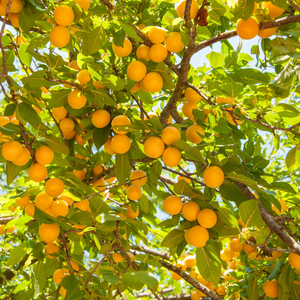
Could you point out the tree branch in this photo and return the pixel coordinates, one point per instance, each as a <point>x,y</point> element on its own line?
<point>164,255</point>
<point>296,7</point>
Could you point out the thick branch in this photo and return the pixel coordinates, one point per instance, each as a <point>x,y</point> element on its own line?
<point>5,220</point>
<point>108,4</point>
<point>164,255</point>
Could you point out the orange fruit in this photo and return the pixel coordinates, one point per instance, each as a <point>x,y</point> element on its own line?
<point>59,36</point>
<point>99,184</point>
<point>37,172</point>
<point>274,11</point>
<point>123,51</point>
<point>213,176</point>
<point>70,134</point>
<point>193,12</point>
<point>120,120</point>
<point>83,77</point>
<point>202,280</point>
<point>142,52</point>
<point>153,82</point>
<point>15,7</point>
<point>198,236</point>
<point>23,201</point>
<point>54,187</point>
<point>266,33</point>
<point>235,245</point>
<point>283,207</point>
<point>14,18</point>
<point>271,288</point>
<point>43,201</point>
<point>134,192</point>
<point>100,118</point>
<point>220,100</point>
<point>186,236</point>
<point>74,65</point>
<point>12,150</point>
<point>67,199</point>
<point>59,112</point>
<point>248,249</point>
<point>227,275</point>
<point>221,290</point>
<point>82,205</point>
<point>207,218</point>
<point>80,173</point>
<point>175,276</point>
<point>44,155</point>
<point>135,88</point>
<point>192,134</point>
<point>120,143</point>
<point>154,147</point>
<point>294,260</point>
<point>247,30</point>
<point>49,232</point>
<point>2,9</point>
<point>236,120</point>
<point>63,15</point>
<point>187,180</point>
<point>23,158</point>
<point>76,100</point>
<point>192,96</point>
<point>156,34</point>
<point>67,125</point>
<point>276,254</point>
<point>74,265</point>
<point>171,157</point>
<point>158,53</point>
<point>51,248</point>
<point>132,214</point>
<point>4,120</point>
<point>172,205</point>
<point>173,42</point>
<point>190,211</point>
<point>79,140</point>
<point>108,148</point>
<point>10,229</point>
<point>59,208</point>
<point>60,274</point>
<point>117,257</point>
<point>29,209</point>
<point>84,4</point>
<point>136,71</point>
<point>138,177</point>
<point>229,253</point>
<point>190,261</point>
<point>187,109</point>
<point>170,135</point>
<point>224,257</point>
<point>98,170</point>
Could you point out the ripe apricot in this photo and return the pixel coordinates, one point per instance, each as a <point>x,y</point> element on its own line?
<point>229,253</point>
<point>82,205</point>
<point>171,157</point>
<point>123,51</point>
<point>283,207</point>
<point>271,288</point>
<point>248,249</point>
<point>274,11</point>
<point>54,187</point>
<point>70,134</point>
<point>60,274</point>
<point>135,88</point>
<point>23,201</point>
<point>63,15</point>
<point>117,257</point>
<point>59,36</point>
<point>120,120</point>
<point>234,121</point>
<point>235,245</point>
<point>190,261</point>
<point>186,236</point>
<point>266,33</point>
<point>202,280</point>
<point>44,155</point>
<point>50,249</point>
<point>187,109</point>
<point>187,180</point>
<point>213,176</point>
<point>154,147</point>
<point>76,100</point>
<point>83,76</point>
<point>134,192</point>
<point>74,265</point>
<point>138,177</point>
<point>228,100</point>
<point>132,214</point>
<point>136,71</point>
<point>100,118</point>
<point>120,143</point>
<point>99,184</point>
<point>158,53</point>
<point>12,150</point>
<point>67,199</point>
<point>108,148</point>
<point>170,135</point>
<point>2,9</point>
<point>247,30</point>
<point>173,42</point>
<point>59,208</point>
<point>14,19</point>
<point>59,113</point>
<point>67,125</point>
<point>190,211</point>
<point>29,209</point>
<point>142,52</point>
<point>156,34</point>
<point>192,96</point>
<point>43,200</point>
<point>192,134</point>
<point>153,82</point>
<point>227,275</point>
<point>84,4</point>
<point>79,140</point>
<point>15,7</point>
<point>37,172</point>
<point>175,276</point>
<point>198,236</point>
<point>207,218</point>
<point>276,254</point>
<point>49,232</point>
<point>80,174</point>
<point>294,260</point>
<point>221,290</point>
<point>74,65</point>
<point>4,120</point>
<point>10,229</point>
<point>98,170</point>
<point>172,205</point>
<point>224,257</point>
<point>23,158</point>
<point>193,12</point>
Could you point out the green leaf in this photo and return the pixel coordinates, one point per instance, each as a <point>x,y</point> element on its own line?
<point>35,15</point>
<point>259,162</point>
<point>102,98</point>
<point>173,239</point>
<point>70,283</point>
<point>56,144</point>
<point>98,206</point>
<point>113,82</point>
<point>155,171</point>
<point>122,167</point>
<point>130,31</point>
<point>231,192</point>
<point>208,267</point>
<point>39,272</point>
<point>113,279</point>
<point>92,41</point>
<point>37,79</point>
<point>183,188</point>
<point>12,172</point>
<point>145,97</point>
<point>25,57</point>
<point>59,98</point>
<point>242,178</point>
<point>144,203</point>
<point>42,217</point>
<point>216,59</point>
<point>293,159</point>
<point>284,186</point>
<point>137,280</point>
<point>252,288</point>
<point>250,214</point>
<point>228,217</point>
<point>295,292</point>
<point>25,295</point>
<point>286,280</point>
<point>100,136</point>
<point>17,254</point>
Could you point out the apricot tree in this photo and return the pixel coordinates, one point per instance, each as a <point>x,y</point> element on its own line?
<point>131,172</point>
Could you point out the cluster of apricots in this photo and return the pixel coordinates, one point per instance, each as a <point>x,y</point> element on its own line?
<point>15,7</point>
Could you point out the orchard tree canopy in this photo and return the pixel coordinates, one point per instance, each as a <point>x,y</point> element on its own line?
<point>150,149</point>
